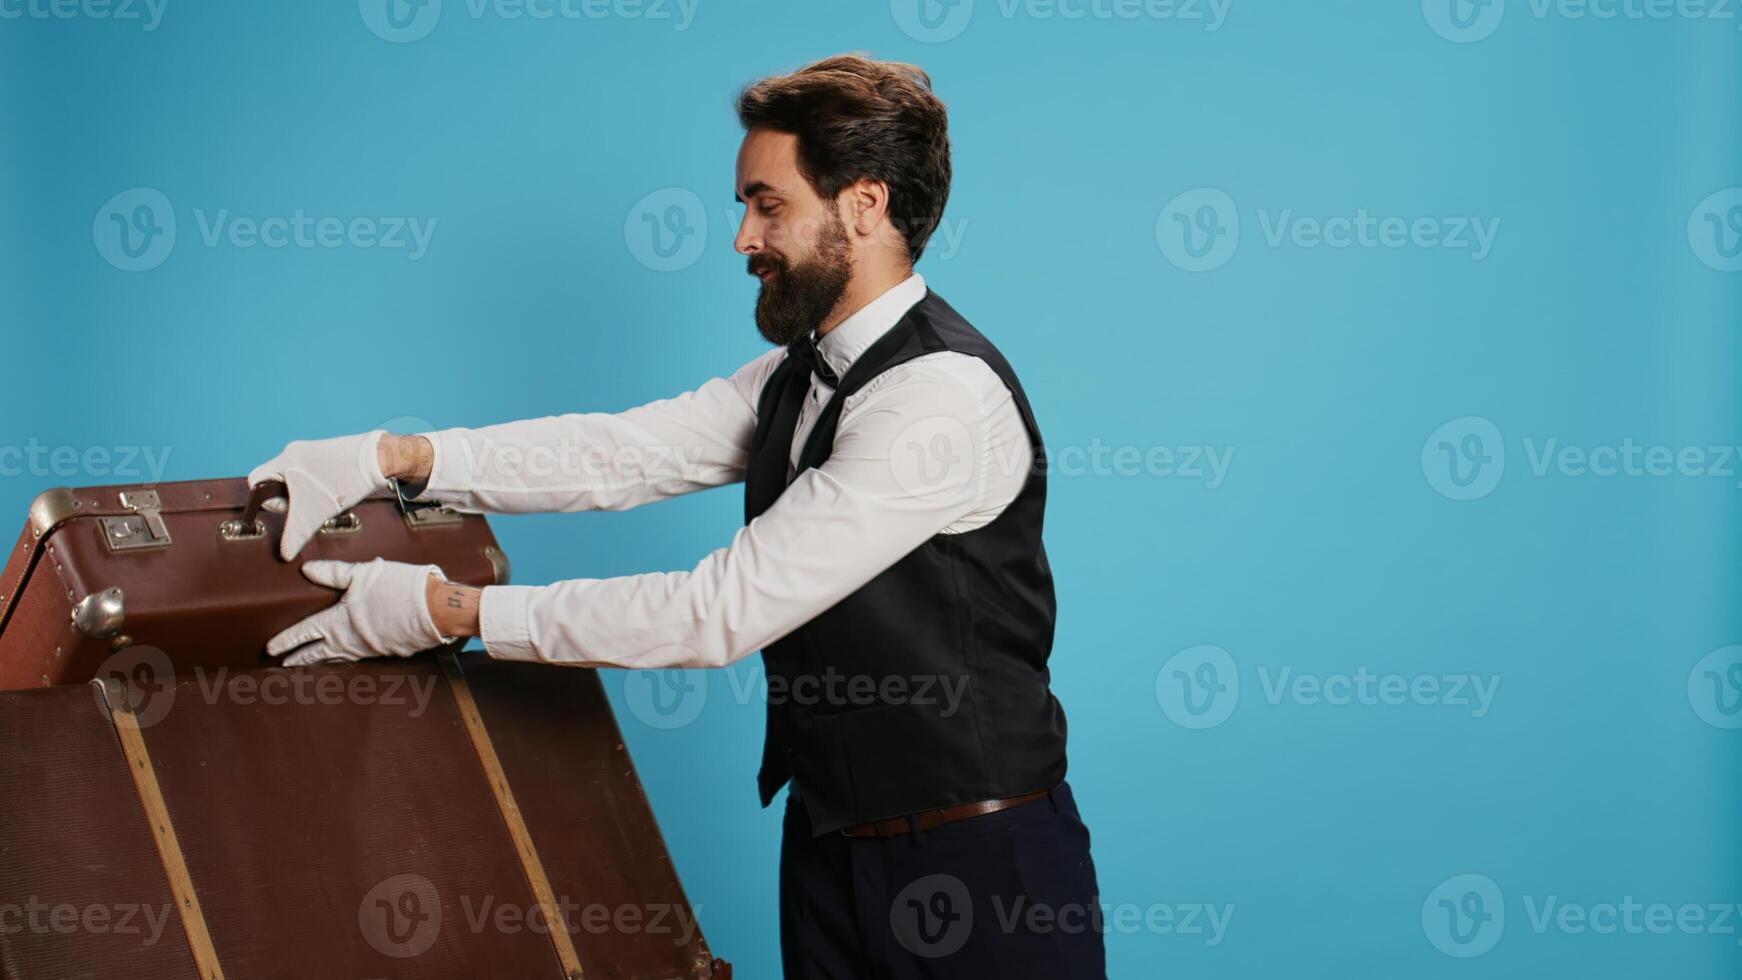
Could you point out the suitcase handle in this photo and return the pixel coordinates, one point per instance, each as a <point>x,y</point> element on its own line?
<point>259,496</point>
<point>249,527</point>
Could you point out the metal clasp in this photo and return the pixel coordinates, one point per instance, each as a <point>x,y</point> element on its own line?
<point>346,523</point>
<point>420,513</point>
<point>235,530</point>
<point>144,528</point>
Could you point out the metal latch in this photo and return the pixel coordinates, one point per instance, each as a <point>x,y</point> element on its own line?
<point>346,523</point>
<point>144,528</point>
<point>425,513</point>
<point>434,517</point>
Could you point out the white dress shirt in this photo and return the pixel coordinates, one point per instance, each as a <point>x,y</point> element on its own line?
<point>934,445</point>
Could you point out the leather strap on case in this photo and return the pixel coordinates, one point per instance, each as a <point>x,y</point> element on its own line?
<point>175,868</point>
<point>258,497</point>
<point>557,927</point>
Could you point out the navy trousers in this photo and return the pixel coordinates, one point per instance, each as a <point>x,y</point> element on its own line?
<point>1008,894</point>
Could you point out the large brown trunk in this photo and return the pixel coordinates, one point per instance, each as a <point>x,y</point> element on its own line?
<point>192,811</point>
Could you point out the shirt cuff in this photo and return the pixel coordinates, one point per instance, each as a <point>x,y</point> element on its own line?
<point>449,482</point>
<point>505,622</point>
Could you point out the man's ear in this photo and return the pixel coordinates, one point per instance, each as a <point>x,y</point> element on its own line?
<point>864,206</point>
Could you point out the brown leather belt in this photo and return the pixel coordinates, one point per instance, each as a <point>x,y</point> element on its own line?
<point>895,826</point>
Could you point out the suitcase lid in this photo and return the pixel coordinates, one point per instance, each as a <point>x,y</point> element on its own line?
<point>132,518</point>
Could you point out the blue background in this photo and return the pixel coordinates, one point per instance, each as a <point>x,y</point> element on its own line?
<point>1329,547</point>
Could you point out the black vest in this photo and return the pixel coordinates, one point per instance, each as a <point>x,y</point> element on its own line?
<point>928,686</point>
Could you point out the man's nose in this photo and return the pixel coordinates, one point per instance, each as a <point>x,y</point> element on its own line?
<point>749,240</point>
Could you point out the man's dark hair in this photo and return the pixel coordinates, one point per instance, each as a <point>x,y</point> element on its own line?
<point>858,118</point>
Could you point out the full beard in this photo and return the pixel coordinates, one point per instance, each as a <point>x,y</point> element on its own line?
<point>800,297</point>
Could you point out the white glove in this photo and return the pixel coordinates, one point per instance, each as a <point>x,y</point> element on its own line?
<point>385,613</point>
<point>325,477</point>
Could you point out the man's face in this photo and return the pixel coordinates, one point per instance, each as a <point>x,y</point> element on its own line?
<point>795,240</point>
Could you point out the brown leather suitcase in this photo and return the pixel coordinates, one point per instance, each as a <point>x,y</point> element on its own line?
<point>183,827</point>
<point>192,569</point>
<point>195,811</point>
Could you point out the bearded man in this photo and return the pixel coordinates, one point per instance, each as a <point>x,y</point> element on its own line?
<point>890,567</point>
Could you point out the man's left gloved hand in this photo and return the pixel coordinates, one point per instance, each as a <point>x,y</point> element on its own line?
<point>385,613</point>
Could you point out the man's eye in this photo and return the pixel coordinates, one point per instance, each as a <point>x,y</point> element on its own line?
<point>768,210</point>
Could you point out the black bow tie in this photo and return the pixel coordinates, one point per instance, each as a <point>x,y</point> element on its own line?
<point>805,349</point>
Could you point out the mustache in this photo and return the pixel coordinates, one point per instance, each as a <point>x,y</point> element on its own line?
<point>758,264</point>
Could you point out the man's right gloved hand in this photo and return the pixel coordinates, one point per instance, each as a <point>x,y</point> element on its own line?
<point>325,478</point>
